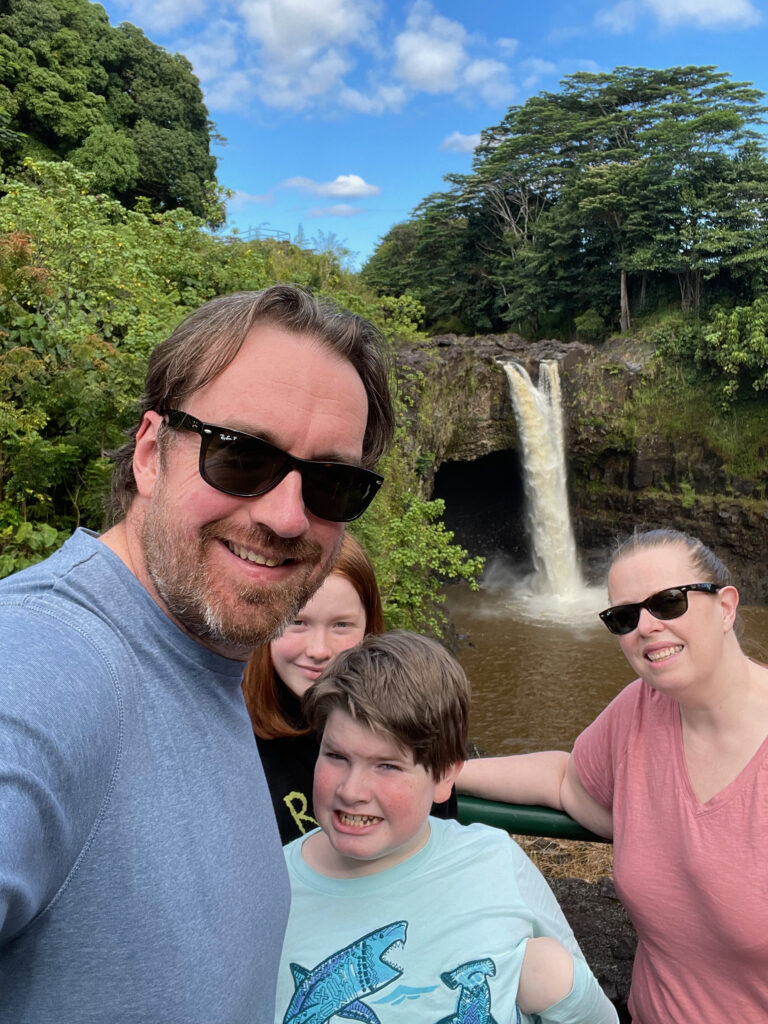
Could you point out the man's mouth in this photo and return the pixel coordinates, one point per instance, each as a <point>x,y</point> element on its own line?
<point>665,652</point>
<point>357,820</point>
<point>253,556</point>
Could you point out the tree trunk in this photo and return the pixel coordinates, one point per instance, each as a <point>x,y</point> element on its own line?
<point>626,323</point>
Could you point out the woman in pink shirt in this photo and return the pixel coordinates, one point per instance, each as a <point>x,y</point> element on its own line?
<point>675,771</point>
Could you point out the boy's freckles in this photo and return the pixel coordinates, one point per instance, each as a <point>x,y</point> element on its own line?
<point>370,798</point>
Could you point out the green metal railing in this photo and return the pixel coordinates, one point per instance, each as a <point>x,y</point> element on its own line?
<point>523,820</point>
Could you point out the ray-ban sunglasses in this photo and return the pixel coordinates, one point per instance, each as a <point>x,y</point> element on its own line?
<point>667,604</point>
<point>245,466</point>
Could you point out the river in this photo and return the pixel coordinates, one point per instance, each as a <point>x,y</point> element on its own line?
<point>536,683</point>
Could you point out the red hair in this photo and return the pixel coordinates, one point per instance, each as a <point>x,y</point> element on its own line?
<point>260,679</point>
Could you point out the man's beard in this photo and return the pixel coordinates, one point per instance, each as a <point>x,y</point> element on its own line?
<point>239,616</point>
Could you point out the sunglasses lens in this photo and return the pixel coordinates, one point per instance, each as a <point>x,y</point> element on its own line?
<point>248,466</point>
<point>622,619</point>
<point>668,604</point>
<point>337,492</point>
<point>245,466</point>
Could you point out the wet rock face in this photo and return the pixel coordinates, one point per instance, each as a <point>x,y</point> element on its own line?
<point>620,477</point>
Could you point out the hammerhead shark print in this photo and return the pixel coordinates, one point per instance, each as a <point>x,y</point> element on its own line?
<point>474,1003</point>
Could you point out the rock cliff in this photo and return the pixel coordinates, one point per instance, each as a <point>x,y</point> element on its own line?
<point>644,450</point>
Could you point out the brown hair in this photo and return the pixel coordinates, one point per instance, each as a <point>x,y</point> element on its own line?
<point>207,341</point>
<point>705,561</point>
<point>401,684</point>
<point>260,679</point>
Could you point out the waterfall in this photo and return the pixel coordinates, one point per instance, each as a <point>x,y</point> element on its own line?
<point>557,580</point>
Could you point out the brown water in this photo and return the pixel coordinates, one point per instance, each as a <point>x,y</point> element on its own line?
<point>537,684</point>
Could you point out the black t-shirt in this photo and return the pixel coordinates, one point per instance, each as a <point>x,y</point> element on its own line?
<point>289,765</point>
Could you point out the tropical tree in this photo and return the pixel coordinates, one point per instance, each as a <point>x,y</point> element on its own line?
<point>109,100</point>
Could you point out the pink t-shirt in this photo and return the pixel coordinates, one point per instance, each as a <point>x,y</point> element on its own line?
<point>693,876</point>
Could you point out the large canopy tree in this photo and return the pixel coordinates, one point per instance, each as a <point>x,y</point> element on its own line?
<point>651,178</point>
<point>107,99</point>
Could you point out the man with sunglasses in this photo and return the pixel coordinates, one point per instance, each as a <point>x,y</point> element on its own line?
<point>141,875</point>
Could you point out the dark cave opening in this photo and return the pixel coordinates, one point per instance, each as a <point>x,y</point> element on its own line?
<point>485,506</point>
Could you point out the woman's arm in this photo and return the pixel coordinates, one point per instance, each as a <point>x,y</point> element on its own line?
<point>548,777</point>
<point>517,779</point>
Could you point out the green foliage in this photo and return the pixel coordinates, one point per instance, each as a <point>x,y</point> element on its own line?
<point>21,543</point>
<point>590,325</point>
<point>615,192</point>
<point>414,555</point>
<point>109,100</point>
<point>87,289</point>
<point>732,346</point>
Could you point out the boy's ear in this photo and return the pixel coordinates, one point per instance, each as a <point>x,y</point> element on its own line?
<point>445,782</point>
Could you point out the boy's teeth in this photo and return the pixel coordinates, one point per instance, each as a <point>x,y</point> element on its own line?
<point>251,556</point>
<point>667,652</point>
<point>357,820</point>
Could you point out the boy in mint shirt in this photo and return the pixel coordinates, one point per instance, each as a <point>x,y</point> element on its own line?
<point>397,917</point>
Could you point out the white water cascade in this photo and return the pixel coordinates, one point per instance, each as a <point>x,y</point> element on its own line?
<point>557,588</point>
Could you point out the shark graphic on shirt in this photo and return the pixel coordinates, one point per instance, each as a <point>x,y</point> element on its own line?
<point>337,986</point>
<point>474,1003</point>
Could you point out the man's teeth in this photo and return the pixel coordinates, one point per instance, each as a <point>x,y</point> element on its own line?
<point>666,652</point>
<point>357,820</point>
<point>251,556</point>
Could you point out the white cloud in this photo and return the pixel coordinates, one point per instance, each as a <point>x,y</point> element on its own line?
<point>341,55</point>
<point>508,46</point>
<point>618,19</point>
<point>224,85</point>
<point>430,52</point>
<point>281,86</point>
<point>345,186</point>
<point>228,91</point>
<point>240,200</point>
<point>705,13</point>
<point>385,98</point>
<point>490,79</point>
<point>622,17</point>
<point>294,31</point>
<point>458,143</point>
<point>339,210</point>
<point>306,46</point>
<point>536,69</point>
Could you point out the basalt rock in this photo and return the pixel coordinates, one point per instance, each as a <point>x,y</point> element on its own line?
<point>625,470</point>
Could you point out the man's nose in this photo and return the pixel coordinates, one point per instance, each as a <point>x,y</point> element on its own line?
<point>282,509</point>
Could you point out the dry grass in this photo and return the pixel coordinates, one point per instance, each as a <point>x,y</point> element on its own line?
<point>569,858</point>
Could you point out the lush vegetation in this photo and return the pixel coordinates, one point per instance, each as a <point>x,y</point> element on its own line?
<point>109,101</point>
<point>87,289</point>
<point>623,197</point>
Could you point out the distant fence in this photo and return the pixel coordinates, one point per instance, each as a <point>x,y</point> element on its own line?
<point>259,234</point>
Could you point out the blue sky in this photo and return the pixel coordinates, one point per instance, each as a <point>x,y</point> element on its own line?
<point>341,115</point>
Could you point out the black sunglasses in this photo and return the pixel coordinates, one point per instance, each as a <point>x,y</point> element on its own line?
<point>245,466</point>
<point>667,604</point>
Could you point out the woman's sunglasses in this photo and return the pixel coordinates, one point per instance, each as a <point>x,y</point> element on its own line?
<point>245,466</point>
<point>667,604</point>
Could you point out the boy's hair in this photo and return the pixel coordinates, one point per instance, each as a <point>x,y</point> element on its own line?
<point>403,685</point>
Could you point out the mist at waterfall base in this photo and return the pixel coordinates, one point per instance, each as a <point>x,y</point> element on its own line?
<point>541,663</point>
